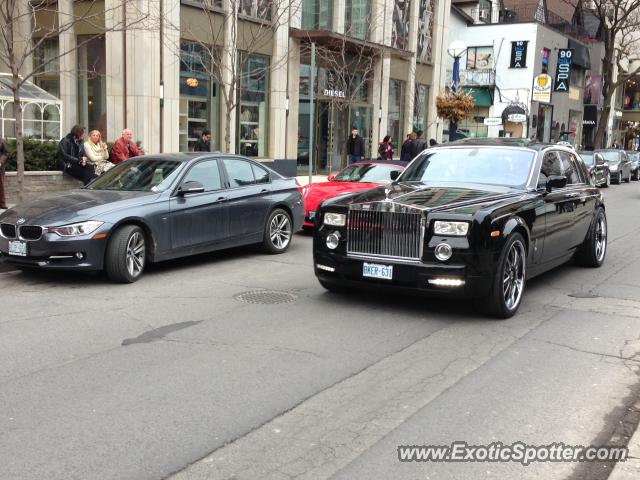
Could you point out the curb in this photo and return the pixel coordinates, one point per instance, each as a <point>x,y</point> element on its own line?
<point>629,470</point>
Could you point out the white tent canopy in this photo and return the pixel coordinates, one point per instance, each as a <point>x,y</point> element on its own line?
<point>41,111</point>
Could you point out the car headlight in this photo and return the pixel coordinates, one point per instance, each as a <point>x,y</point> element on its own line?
<point>76,229</point>
<point>458,229</point>
<point>335,219</point>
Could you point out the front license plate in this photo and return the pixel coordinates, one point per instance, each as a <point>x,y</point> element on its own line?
<point>375,270</point>
<point>18,249</point>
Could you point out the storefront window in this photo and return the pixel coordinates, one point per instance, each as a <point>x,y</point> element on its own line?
<point>92,84</point>
<point>420,107</point>
<point>317,14</point>
<point>473,126</point>
<point>479,58</point>
<point>358,18</point>
<point>632,94</point>
<point>253,108</point>
<point>425,29</point>
<point>400,32</point>
<point>394,115</point>
<point>198,98</point>
<point>46,66</point>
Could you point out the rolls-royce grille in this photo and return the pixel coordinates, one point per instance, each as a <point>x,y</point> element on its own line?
<point>30,232</point>
<point>8,230</point>
<point>385,234</point>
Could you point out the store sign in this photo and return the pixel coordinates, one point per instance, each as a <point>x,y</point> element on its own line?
<point>192,82</point>
<point>542,88</point>
<point>518,54</point>
<point>334,93</point>
<point>492,121</point>
<point>590,117</point>
<point>546,53</point>
<point>517,118</point>
<point>563,70</point>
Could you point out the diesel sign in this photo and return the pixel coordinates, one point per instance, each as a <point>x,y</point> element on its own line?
<point>563,70</point>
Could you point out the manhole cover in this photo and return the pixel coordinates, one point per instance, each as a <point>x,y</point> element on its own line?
<point>583,295</point>
<point>266,297</point>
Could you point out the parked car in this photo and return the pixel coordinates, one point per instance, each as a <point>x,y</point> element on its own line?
<point>634,157</point>
<point>154,208</point>
<point>598,168</point>
<point>470,218</point>
<point>355,177</point>
<point>619,164</point>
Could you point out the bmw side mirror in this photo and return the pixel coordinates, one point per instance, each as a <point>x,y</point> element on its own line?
<point>189,188</point>
<point>556,181</point>
<point>394,174</point>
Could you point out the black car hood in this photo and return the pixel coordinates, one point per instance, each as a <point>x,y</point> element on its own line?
<point>464,198</point>
<point>74,206</point>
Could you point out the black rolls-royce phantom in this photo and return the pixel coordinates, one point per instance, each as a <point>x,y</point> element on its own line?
<point>471,218</point>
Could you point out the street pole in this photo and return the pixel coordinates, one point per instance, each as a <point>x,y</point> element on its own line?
<point>312,88</point>
<point>453,127</point>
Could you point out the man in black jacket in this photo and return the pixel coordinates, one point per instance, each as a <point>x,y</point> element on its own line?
<point>71,156</point>
<point>204,143</point>
<point>355,146</point>
<point>419,144</point>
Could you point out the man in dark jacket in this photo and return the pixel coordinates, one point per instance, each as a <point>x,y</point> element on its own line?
<point>355,146</point>
<point>71,156</point>
<point>204,143</point>
<point>419,144</point>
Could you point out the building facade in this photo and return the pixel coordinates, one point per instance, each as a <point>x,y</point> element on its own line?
<point>168,70</point>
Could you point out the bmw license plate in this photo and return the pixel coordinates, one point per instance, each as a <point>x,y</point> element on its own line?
<point>375,270</point>
<point>18,249</point>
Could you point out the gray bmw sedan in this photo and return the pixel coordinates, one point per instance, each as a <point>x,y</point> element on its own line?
<point>154,208</point>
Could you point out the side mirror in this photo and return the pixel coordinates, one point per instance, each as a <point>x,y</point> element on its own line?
<point>556,181</point>
<point>394,174</point>
<point>331,177</point>
<point>189,188</point>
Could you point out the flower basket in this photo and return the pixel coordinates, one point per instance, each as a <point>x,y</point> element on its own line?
<point>454,106</point>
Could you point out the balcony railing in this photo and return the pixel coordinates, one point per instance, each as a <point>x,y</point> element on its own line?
<point>485,15</point>
<point>525,12</point>
<point>475,78</point>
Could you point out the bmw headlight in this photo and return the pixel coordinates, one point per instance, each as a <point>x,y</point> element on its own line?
<point>76,229</point>
<point>457,229</point>
<point>335,219</point>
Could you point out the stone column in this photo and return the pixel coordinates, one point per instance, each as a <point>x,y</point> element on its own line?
<point>409,94</point>
<point>440,43</point>
<point>115,67</point>
<point>229,52</point>
<point>68,68</point>
<point>22,32</point>
<point>278,86</point>
<point>171,77</point>
<point>380,95</point>
<point>339,15</point>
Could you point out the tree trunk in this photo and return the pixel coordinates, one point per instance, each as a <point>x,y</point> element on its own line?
<point>17,109</point>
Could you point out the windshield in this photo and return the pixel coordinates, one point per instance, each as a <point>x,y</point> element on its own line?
<point>368,172</point>
<point>587,157</point>
<point>493,166</point>
<point>138,175</point>
<point>633,156</point>
<point>611,156</point>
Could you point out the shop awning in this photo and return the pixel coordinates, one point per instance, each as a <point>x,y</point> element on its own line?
<point>482,97</point>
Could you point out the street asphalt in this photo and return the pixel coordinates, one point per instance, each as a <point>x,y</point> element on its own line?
<point>183,376</point>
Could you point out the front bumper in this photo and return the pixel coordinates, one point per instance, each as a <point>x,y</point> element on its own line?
<point>59,253</point>
<point>412,278</point>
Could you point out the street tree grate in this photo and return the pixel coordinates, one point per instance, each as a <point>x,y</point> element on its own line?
<point>266,297</point>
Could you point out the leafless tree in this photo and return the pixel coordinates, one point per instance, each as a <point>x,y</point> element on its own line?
<point>26,25</point>
<point>236,30</point>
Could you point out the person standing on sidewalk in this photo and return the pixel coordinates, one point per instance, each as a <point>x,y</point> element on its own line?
<point>418,145</point>
<point>4,156</point>
<point>355,146</point>
<point>124,148</point>
<point>204,143</point>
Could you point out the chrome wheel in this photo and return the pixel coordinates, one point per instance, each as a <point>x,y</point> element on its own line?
<point>136,254</point>
<point>513,275</point>
<point>280,230</point>
<point>601,237</point>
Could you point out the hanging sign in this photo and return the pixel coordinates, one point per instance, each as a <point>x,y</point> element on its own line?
<point>563,70</point>
<point>518,54</point>
<point>542,88</point>
<point>492,121</point>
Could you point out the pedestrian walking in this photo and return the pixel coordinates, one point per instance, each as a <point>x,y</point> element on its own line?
<point>204,142</point>
<point>71,156</point>
<point>97,152</point>
<point>124,148</point>
<point>418,145</point>
<point>4,156</point>
<point>405,150</point>
<point>355,146</point>
<point>385,150</point>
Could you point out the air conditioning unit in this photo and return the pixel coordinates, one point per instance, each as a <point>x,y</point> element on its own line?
<point>484,15</point>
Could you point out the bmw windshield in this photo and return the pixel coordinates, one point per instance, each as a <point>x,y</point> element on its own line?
<point>138,175</point>
<point>507,167</point>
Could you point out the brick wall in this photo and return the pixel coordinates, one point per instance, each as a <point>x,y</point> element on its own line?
<point>38,183</point>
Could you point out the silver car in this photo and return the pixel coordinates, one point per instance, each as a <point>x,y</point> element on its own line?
<point>619,164</point>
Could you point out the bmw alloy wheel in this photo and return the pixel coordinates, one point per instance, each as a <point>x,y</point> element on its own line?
<point>513,275</point>
<point>136,254</point>
<point>280,230</point>
<point>601,237</point>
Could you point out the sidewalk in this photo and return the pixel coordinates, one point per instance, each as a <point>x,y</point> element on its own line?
<point>629,470</point>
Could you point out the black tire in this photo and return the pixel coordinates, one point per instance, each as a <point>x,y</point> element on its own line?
<point>628,179</point>
<point>618,179</point>
<point>512,271</point>
<point>278,232</point>
<point>126,254</point>
<point>594,248</point>
<point>607,181</point>
<point>333,288</point>
<point>635,175</point>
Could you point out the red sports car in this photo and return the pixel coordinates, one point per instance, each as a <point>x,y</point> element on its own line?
<point>357,176</point>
